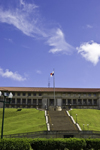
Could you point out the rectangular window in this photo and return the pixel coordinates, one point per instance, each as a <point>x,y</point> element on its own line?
<point>24,94</point>
<point>13,101</point>
<point>64,101</point>
<point>51,102</point>
<point>29,101</point>
<point>23,101</point>
<point>34,101</point>
<point>84,95</point>
<point>74,101</point>
<point>7,100</point>
<point>18,101</point>
<point>34,94</point>
<point>74,95</point>
<point>18,94</point>
<point>69,101</point>
<point>95,101</point>
<point>89,94</point>
<point>90,101</point>
<point>13,93</point>
<point>39,101</point>
<point>29,94</point>
<point>40,94</point>
<point>79,101</point>
<point>84,101</point>
<point>69,94</point>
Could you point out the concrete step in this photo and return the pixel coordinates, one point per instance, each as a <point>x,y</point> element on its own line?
<point>59,120</point>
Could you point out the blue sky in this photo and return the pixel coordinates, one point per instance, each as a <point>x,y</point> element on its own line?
<point>39,36</point>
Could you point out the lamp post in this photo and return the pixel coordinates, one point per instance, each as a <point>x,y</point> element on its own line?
<point>5,95</point>
<point>88,126</point>
<point>45,106</point>
<point>76,118</point>
<point>70,110</point>
<point>83,127</point>
<point>70,106</point>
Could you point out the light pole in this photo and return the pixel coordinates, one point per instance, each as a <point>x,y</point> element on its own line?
<point>9,96</point>
<point>88,126</point>
<point>83,127</point>
<point>45,106</point>
<point>70,110</point>
<point>70,106</point>
<point>76,118</point>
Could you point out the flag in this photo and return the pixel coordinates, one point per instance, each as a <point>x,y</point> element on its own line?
<point>52,74</point>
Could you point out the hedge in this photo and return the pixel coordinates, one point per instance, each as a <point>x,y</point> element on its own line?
<point>50,144</point>
<point>14,144</point>
<point>92,144</point>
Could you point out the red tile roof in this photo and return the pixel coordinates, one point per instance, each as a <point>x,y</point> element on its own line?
<point>43,89</point>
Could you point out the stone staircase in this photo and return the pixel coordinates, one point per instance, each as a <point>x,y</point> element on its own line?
<point>59,120</point>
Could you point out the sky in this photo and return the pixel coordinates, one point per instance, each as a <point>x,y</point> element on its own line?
<point>38,37</point>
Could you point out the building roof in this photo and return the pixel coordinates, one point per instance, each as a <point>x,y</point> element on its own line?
<point>44,89</point>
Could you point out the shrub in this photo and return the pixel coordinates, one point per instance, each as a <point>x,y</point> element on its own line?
<point>52,144</point>
<point>14,144</point>
<point>92,144</point>
<point>19,109</point>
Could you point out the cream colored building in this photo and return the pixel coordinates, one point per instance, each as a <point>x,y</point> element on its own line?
<point>31,97</point>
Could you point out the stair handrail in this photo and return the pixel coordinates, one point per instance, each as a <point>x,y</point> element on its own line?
<point>79,128</point>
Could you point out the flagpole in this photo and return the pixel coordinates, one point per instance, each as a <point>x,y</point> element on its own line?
<point>53,74</point>
<point>54,86</point>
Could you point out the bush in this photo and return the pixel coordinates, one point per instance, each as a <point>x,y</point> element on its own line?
<point>19,109</point>
<point>14,144</point>
<point>49,144</point>
<point>52,144</point>
<point>92,144</point>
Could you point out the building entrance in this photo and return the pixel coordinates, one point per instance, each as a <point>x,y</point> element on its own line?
<point>59,102</point>
<point>51,102</point>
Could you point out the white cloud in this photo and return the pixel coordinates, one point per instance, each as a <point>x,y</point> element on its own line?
<point>24,18</point>
<point>10,40</point>
<point>12,75</point>
<point>90,51</point>
<point>89,26</point>
<point>57,41</point>
<point>27,47</point>
<point>27,19</point>
<point>38,72</point>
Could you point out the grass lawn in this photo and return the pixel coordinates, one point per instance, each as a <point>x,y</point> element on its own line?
<point>26,120</point>
<point>87,116</point>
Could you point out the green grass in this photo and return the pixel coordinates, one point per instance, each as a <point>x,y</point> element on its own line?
<point>26,120</point>
<point>87,116</point>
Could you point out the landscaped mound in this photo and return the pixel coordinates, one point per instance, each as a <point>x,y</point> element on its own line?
<point>26,120</point>
<point>88,119</point>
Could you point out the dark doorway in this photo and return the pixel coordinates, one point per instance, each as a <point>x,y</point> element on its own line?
<point>51,102</point>
<point>68,136</point>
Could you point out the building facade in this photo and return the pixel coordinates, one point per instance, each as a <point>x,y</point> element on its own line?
<point>66,98</point>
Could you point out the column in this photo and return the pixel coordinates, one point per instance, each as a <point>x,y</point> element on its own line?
<point>66,101</point>
<point>55,102</point>
<point>82,101</point>
<point>21,101</point>
<point>48,102</point>
<point>87,101</point>
<point>98,102</point>
<point>26,101</point>
<point>77,102</point>
<point>72,102</point>
<point>92,102</point>
<point>15,100</point>
<point>37,102</point>
<point>31,101</point>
